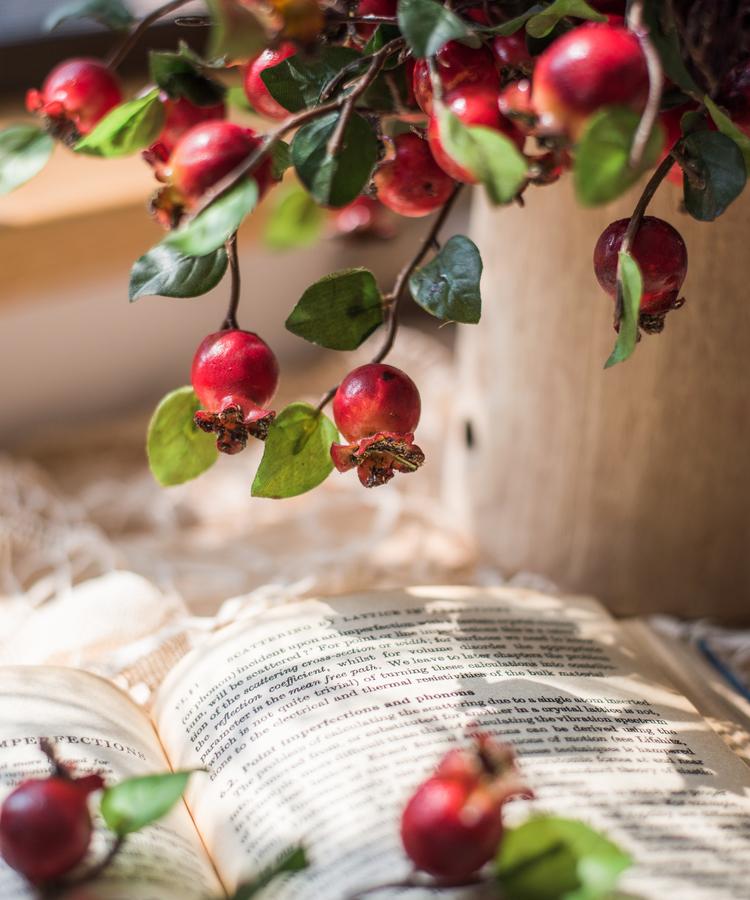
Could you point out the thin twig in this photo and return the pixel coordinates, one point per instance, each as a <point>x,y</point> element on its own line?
<point>655,84</point>
<point>54,889</point>
<point>230,320</point>
<point>120,52</point>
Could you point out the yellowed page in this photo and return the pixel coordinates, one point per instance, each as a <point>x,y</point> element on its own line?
<point>99,729</point>
<point>318,718</point>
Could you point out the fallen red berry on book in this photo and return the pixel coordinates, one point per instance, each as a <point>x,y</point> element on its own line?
<point>590,67</point>
<point>412,183</point>
<point>255,89</point>
<point>75,96</point>
<point>45,826</point>
<point>376,408</point>
<point>457,65</point>
<point>235,375</point>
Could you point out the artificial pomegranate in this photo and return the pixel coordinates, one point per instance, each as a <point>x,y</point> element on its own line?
<point>511,53</point>
<point>74,97</point>
<point>376,408</point>
<point>458,66</point>
<point>473,106</point>
<point>208,152</point>
<point>514,103</point>
<point>590,67</point>
<point>385,8</point>
<point>45,826</point>
<point>412,183</point>
<point>255,89</point>
<point>453,823</point>
<point>235,375</point>
<point>180,116</point>
<point>661,255</point>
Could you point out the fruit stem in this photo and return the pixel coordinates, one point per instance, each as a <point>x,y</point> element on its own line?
<point>121,51</point>
<point>230,320</point>
<point>655,84</point>
<point>48,749</point>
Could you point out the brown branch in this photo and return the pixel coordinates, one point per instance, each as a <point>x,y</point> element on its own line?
<point>120,52</point>
<point>230,320</point>
<point>373,70</point>
<point>655,84</point>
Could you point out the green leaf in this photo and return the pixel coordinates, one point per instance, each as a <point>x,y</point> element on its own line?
<point>550,858</point>
<point>334,180</point>
<point>727,127</point>
<point>178,76</point>
<point>448,286</point>
<point>236,33</point>
<point>297,81</point>
<point>718,173</point>
<point>541,24</point>
<point>125,129</point>
<point>297,453</point>
<point>165,272</point>
<point>210,229</point>
<point>665,38</point>
<point>382,35</point>
<point>177,449</point>
<point>428,26</point>
<point>516,24</point>
<point>602,170</point>
<point>340,311</point>
<point>292,860</point>
<point>136,802</point>
<point>489,155</point>
<point>281,159</point>
<point>295,220</point>
<point>24,152</point>
<point>632,291</point>
<point>110,13</point>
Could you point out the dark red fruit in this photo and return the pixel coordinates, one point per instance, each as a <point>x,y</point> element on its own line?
<point>458,66</point>
<point>181,115</point>
<point>211,150</point>
<point>45,826</point>
<point>511,52</point>
<point>376,408</point>
<point>588,68</point>
<point>412,183</point>
<point>734,95</point>
<point>255,89</point>
<point>385,8</point>
<point>75,96</point>
<point>235,375</point>
<point>473,106</point>
<point>661,255</point>
<point>453,823</point>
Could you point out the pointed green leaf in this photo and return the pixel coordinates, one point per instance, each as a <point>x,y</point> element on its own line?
<point>132,804</point>
<point>541,24</point>
<point>178,76</point>
<point>719,173</point>
<point>334,180</point>
<point>428,25</point>
<point>177,449</point>
<point>515,24</point>
<point>727,127</point>
<point>295,220</point>
<point>281,159</point>
<point>236,33</point>
<point>211,229</point>
<point>296,82</point>
<point>165,272</point>
<point>340,311</point>
<point>292,860</point>
<point>602,170</point>
<point>125,129</point>
<point>297,453</point>
<point>448,286</point>
<point>489,155</point>
<point>110,13</point>
<point>551,858</point>
<point>24,152</point>
<point>632,291</point>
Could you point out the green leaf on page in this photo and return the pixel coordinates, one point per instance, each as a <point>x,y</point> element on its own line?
<point>132,804</point>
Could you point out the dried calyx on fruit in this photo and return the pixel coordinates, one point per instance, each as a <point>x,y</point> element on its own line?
<point>235,375</point>
<point>453,823</point>
<point>376,408</point>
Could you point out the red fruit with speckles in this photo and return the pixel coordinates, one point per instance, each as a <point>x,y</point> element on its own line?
<point>75,96</point>
<point>45,826</point>
<point>511,53</point>
<point>584,70</point>
<point>235,375</point>
<point>385,8</point>
<point>255,89</point>
<point>209,151</point>
<point>473,106</point>
<point>661,255</point>
<point>412,183</point>
<point>376,408</point>
<point>458,66</point>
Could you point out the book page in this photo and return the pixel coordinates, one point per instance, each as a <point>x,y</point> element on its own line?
<point>98,729</point>
<point>318,719</point>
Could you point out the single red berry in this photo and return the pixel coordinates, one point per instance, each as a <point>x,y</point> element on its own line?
<point>473,106</point>
<point>511,53</point>
<point>514,103</point>
<point>661,255</point>
<point>209,151</point>
<point>75,96</point>
<point>255,89</point>
<point>734,95</point>
<point>412,183</point>
<point>45,826</point>
<point>235,375</point>
<point>181,115</point>
<point>385,8</point>
<point>457,65</point>
<point>590,67</point>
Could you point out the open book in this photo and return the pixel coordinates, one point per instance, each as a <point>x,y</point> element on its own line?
<point>316,721</point>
